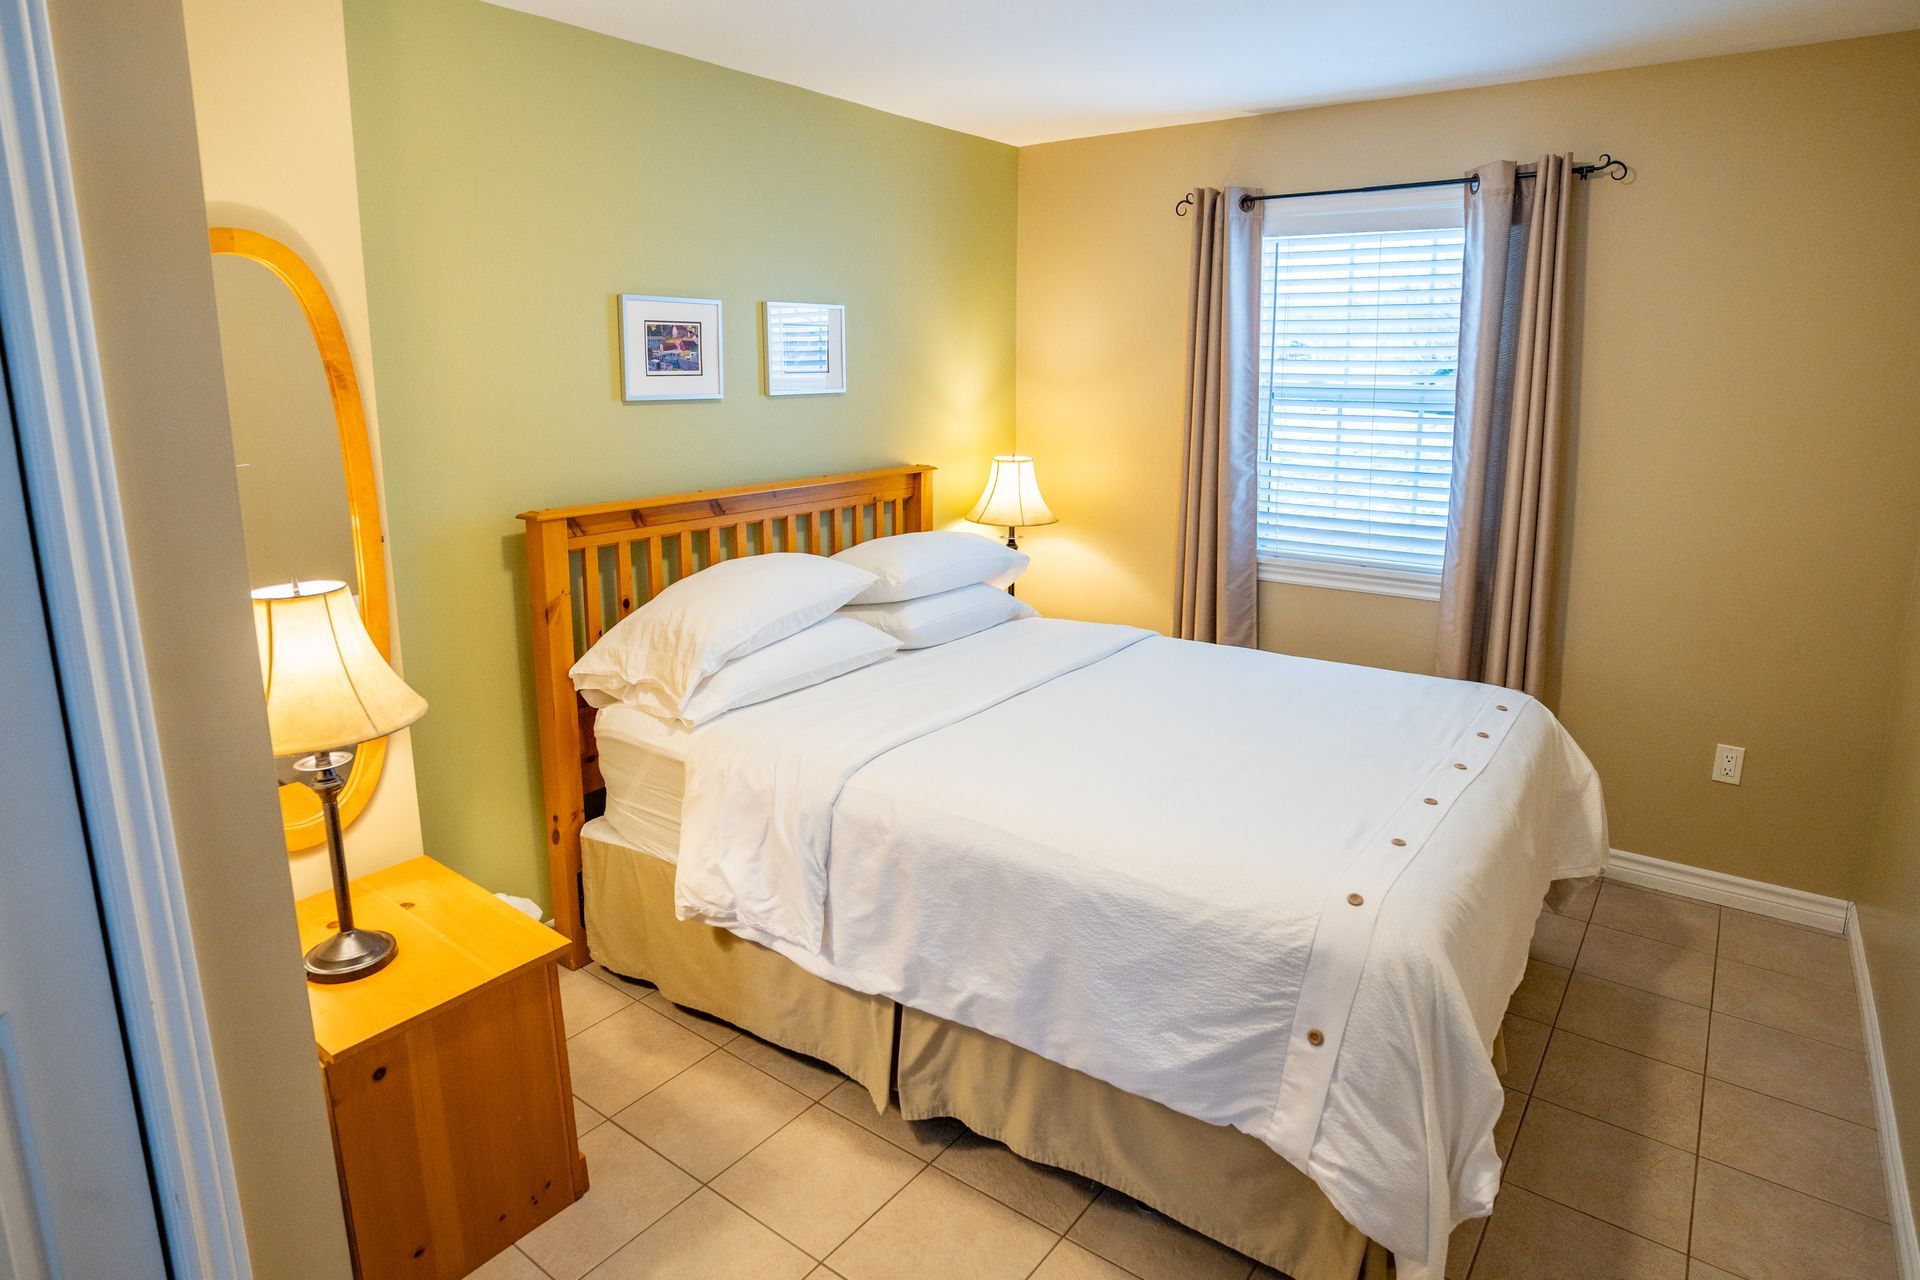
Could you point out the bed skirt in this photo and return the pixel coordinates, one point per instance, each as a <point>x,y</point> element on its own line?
<point>1221,1182</point>
<point>632,931</point>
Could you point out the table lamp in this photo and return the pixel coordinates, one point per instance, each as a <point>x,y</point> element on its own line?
<point>1012,499</point>
<point>329,689</point>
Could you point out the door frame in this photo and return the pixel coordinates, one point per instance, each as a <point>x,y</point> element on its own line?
<point>59,407</point>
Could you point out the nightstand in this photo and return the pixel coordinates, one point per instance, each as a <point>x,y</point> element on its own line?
<point>446,1075</point>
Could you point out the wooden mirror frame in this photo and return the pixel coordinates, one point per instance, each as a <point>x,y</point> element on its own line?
<point>303,824</point>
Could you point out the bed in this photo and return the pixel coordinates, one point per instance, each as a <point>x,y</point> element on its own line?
<point>1229,931</point>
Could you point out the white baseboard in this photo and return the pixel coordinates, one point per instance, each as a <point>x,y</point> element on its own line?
<point>1794,905</point>
<point>1905,1241</point>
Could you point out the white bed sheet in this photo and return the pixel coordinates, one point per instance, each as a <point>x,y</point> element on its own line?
<point>643,761</point>
<point>1137,857</point>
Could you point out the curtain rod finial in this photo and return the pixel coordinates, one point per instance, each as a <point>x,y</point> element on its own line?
<point>1615,169</point>
<point>1186,203</point>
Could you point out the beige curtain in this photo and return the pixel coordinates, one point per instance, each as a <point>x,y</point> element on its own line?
<point>1496,593</point>
<point>1216,580</point>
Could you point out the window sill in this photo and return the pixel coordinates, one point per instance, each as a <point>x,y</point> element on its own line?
<point>1349,577</point>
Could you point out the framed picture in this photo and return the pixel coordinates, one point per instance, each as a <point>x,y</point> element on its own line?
<point>806,348</point>
<point>669,348</point>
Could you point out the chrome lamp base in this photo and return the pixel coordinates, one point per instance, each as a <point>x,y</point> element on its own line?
<point>350,953</point>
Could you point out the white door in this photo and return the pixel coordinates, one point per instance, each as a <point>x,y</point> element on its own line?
<point>76,1198</point>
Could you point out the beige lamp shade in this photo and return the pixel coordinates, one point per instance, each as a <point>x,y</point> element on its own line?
<point>327,686</point>
<point>1012,499</point>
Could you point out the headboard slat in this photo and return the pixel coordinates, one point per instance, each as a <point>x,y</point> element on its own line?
<point>899,498</point>
<point>592,597</point>
<point>623,566</point>
<point>656,569</point>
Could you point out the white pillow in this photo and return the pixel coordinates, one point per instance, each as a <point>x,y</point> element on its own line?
<point>821,652</point>
<point>911,565</point>
<point>702,622</point>
<point>931,620</point>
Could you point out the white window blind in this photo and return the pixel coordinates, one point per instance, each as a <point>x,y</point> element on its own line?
<point>1359,341</point>
<point>799,342</point>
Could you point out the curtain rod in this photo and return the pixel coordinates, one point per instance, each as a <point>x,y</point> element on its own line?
<point>1615,169</point>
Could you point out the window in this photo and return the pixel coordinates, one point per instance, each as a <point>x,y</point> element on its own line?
<point>1359,340</point>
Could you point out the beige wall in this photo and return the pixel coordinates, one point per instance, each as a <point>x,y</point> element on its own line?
<point>1743,386</point>
<point>515,176</point>
<point>1890,897</point>
<point>129,123</point>
<point>276,155</point>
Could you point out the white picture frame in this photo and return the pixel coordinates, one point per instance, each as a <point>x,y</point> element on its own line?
<point>670,349</point>
<point>804,348</point>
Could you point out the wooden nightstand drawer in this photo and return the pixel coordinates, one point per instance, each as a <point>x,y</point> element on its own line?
<point>446,1076</point>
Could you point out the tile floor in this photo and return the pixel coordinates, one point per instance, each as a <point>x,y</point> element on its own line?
<point>1687,1099</point>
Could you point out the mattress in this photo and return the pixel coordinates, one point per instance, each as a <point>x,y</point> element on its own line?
<point>643,760</point>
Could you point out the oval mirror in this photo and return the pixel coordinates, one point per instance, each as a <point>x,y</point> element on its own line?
<point>307,495</point>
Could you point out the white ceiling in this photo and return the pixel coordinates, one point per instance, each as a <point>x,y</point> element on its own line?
<point>1025,71</point>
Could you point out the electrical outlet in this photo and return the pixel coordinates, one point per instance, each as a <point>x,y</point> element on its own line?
<point>1727,763</point>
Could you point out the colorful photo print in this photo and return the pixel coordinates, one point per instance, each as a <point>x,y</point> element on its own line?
<point>673,349</point>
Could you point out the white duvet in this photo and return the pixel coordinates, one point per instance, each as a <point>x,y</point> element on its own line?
<point>1289,896</point>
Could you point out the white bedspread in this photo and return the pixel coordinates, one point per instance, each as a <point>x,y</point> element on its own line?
<point>1289,896</point>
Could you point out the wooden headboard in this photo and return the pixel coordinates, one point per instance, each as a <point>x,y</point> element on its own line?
<point>588,567</point>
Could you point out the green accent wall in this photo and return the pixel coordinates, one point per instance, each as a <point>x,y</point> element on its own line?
<point>515,176</point>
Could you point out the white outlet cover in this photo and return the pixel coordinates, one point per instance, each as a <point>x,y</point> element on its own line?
<point>1728,763</point>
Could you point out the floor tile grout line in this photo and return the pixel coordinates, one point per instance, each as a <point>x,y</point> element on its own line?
<point>820,1261</point>
<point>924,1168</point>
<point>1697,1158</point>
<point>1597,1218</point>
<point>1789,973</point>
<point>1800,1106</point>
<point>1591,977</point>
<point>1631,986</point>
<point>597,1021</point>
<point>587,972</point>
<point>1588,1115</point>
<point>1620,1048</point>
<point>1481,1243</point>
<point>1532,1098</point>
<point>1834,1204</point>
<point>1088,1208</point>
<point>1051,1250</point>
<point>1768,1026</point>
<point>1717,910</point>
<point>712,1049</point>
<point>925,1164</point>
<point>540,1270</point>
<point>1700,1116</point>
<point>1833,1044</point>
<point>811,1104</point>
<point>1098,1188</point>
<point>1648,937</point>
<point>588,1273</point>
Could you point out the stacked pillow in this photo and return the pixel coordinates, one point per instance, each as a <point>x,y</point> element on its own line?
<point>746,630</point>
<point>930,588</point>
<point>736,633</point>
